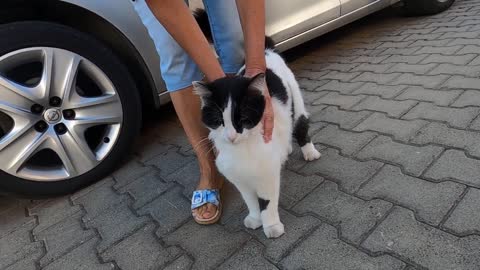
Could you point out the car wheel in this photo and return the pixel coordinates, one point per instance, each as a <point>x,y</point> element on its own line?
<point>425,7</point>
<point>69,109</point>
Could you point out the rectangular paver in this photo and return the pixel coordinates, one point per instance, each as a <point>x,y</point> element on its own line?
<point>431,201</point>
<point>413,159</point>
<point>465,219</point>
<point>393,108</point>
<point>424,245</point>
<point>455,117</point>
<point>401,130</point>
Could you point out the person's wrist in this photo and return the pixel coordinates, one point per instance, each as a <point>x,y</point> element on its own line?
<point>254,71</point>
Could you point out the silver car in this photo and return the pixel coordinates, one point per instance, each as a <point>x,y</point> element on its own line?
<point>75,76</point>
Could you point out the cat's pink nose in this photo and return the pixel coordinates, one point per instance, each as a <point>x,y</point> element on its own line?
<point>231,135</point>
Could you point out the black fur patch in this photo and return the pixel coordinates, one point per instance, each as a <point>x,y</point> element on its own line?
<point>276,87</point>
<point>300,131</point>
<point>263,204</point>
<point>247,105</point>
<point>269,43</point>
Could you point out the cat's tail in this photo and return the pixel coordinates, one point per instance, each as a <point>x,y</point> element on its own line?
<point>201,17</point>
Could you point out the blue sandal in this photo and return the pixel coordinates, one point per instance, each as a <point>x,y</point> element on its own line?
<point>202,197</point>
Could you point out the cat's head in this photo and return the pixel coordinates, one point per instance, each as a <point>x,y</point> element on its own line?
<point>232,106</point>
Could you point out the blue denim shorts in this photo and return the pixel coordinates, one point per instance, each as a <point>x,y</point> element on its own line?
<point>178,69</point>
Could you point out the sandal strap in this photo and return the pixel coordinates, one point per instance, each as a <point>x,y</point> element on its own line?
<point>204,196</point>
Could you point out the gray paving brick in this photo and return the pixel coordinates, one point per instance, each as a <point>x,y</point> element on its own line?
<point>97,200</point>
<point>402,235</point>
<point>343,67</point>
<point>249,257</point>
<point>417,30</point>
<point>370,59</point>
<point>442,98</point>
<point>439,50</point>
<point>399,51</point>
<point>141,249</point>
<point>295,230</point>
<point>313,109</point>
<point>391,107</point>
<point>452,28</point>
<point>310,84</point>
<point>442,134</point>
<point>309,74</point>
<point>385,91</point>
<point>188,177</point>
<point>323,250</point>
<point>17,245</point>
<point>130,172</point>
<point>391,38</point>
<point>374,77</point>
<point>310,96</point>
<point>153,150</point>
<point>146,188</point>
<point>407,68</point>
<point>475,62</point>
<point>63,237</point>
<point>376,68</point>
<point>348,173</point>
<point>81,258</point>
<point>469,49</point>
<point>409,59</point>
<point>413,159</point>
<point>107,224</point>
<point>343,101</point>
<point>467,71</point>
<point>354,216</point>
<point>341,76</point>
<point>462,82</point>
<point>51,212</point>
<point>169,162</point>
<point>183,262</point>
<point>454,32</point>
<point>465,41</point>
<point>431,43</point>
<point>170,210</point>
<point>344,119</point>
<point>348,142</point>
<point>295,186</point>
<point>450,59</point>
<point>454,164</point>
<point>398,44</point>
<point>401,130</point>
<point>425,81</point>
<point>443,24</point>
<point>12,219</point>
<point>28,262</point>
<point>342,87</point>
<point>465,219</point>
<point>209,245</point>
<point>431,201</point>
<point>468,98</point>
<point>455,117</point>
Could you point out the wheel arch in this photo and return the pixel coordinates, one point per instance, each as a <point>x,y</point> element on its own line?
<point>86,21</point>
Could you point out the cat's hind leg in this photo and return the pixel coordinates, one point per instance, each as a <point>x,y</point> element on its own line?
<point>300,132</point>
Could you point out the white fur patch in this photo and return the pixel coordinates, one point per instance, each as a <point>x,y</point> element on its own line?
<point>310,152</point>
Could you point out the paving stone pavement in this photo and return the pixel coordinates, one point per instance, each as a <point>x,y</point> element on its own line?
<point>395,106</point>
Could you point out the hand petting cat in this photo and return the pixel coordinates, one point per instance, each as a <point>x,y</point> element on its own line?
<point>268,116</point>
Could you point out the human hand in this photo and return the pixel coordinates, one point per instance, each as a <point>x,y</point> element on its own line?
<point>268,119</point>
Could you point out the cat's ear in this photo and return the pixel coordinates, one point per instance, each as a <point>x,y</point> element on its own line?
<point>258,83</point>
<point>200,88</point>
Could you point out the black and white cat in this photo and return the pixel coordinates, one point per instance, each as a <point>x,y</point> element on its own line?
<point>232,109</point>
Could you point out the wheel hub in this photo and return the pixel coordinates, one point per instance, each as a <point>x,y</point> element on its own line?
<point>52,116</point>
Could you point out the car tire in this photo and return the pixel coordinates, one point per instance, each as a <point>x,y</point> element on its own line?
<point>28,35</point>
<point>425,7</point>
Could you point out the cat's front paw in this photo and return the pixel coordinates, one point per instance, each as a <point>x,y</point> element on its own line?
<point>274,231</point>
<point>310,152</point>
<point>252,223</point>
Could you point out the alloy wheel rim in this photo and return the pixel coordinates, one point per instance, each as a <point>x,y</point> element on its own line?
<point>54,126</point>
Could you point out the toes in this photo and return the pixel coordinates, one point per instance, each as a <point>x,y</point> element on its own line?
<point>209,211</point>
<point>274,231</point>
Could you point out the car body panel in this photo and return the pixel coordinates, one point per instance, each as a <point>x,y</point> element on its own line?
<point>288,22</point>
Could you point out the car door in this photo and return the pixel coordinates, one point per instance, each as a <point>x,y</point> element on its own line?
<point>352,5</point>
<point>288,18</point>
